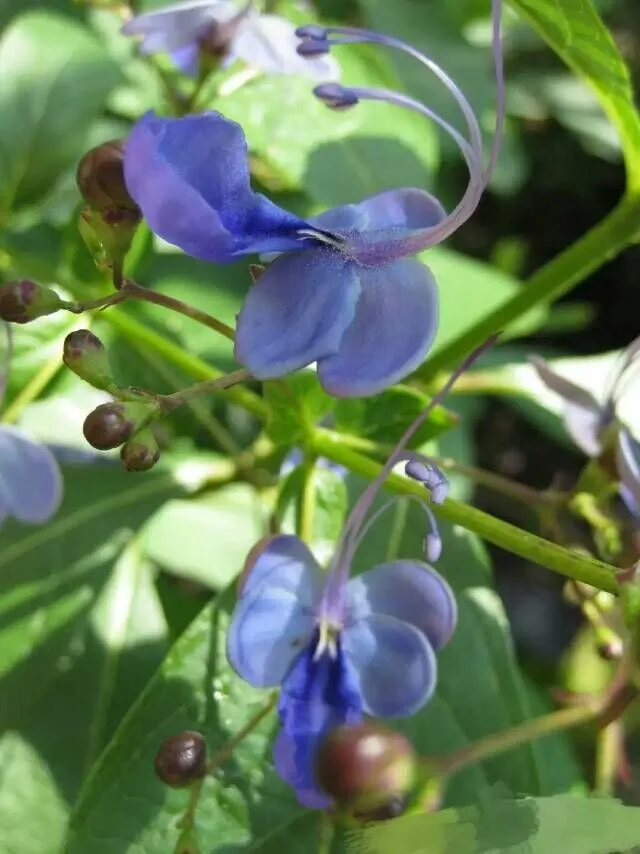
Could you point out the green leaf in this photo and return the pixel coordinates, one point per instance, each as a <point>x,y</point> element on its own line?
<point>54,80</point>
<point>208,539</point>
<point>384,417</point>
<point>81,628</point>
<point>337,158</point>
<point>297,403</point>
<point>35,345</point>
<point>575,31</point>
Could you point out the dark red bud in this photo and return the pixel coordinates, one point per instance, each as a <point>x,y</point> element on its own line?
<point>100,178</point>
<point>365,766</point>
<point>24,300</point>
<point>107,426</point>
<point>182,759</point>
<point>140,453</point>
<point>85,355</point>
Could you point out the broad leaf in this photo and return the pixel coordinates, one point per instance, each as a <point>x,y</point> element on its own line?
<point>54,80</point>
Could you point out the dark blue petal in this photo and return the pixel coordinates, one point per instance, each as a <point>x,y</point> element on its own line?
<point>395,322</point>
<point>268,630</point>
<point>395,665</point>
<point>190,177</point>
<point>408,590</point>
<point>284,562</point>
<point>317,695</point>
<point>297,312</point>
<point>30,480</point>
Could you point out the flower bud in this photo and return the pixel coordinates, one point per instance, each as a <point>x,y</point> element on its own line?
<point>182,759</point>
<point>25,300</point>
<point>85,355</point>
<point>140,453</point>
<point>112,424</point>
<point>365,766</point>
<point>393,809</point>
<point>100,178</point>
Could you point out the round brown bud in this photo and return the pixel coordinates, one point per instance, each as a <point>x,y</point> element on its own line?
<point>100,178</point>
<point>107,426</point>
<point>140,453</point>
<point>24,300</point>
<point>365,766</point>
<point>84,354</point>
<point>182,759</point>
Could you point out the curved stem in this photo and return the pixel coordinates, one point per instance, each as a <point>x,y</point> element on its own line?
<point>529,546</point>
<point>170,402</point>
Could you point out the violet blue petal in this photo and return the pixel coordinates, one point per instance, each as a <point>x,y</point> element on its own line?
<point>268,630</point>
<point>30,479</point>
<point>285,562</point>
<point>396,211</point>
<point>628,465</point>
<point>190,177</point>
<point>187,58</point>
<point>395,663</point>
<point>629,501</point>
<point>396,320</point>
<point>410,591</point>
<point>173,26</point>
<point>318,694</point>
<point>583,415</point>
<point>269,42</point>
<point>297,312</point>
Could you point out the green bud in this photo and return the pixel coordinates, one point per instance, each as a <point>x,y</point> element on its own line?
<point>100,179</point>
<point>23,301</point>
<point>112,424</point>
<point>109,235</point>
<point>182,759</point>
<point>365,767</point>
<point>140,453</point>
<point>85,355</point>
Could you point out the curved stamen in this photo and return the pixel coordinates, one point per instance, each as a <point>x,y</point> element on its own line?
<point>433,535</point>
<point>421,239</point>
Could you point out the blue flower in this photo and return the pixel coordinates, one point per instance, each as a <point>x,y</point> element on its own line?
<point>220,27</point>
<point>339,649</point>
<point>343,290</point>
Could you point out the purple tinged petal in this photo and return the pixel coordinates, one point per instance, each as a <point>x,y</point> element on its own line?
<point>268,630</point>
<point>403,209</point>
<point>395,322</point>
<point>284,562</point>
<point>187,58</point>
<point>395,664</point>
<point>190,177</point>
<point>297,771</point>
<point>583,415</point>
<point>297,312</point>
<point>176,25</point>
<point>30,479</point>
<point>628,465</point>
<point>410,591</point>
<point>269,42</point>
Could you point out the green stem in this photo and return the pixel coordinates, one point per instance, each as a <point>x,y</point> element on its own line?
<point>608,238</point>
<point>140,336</point>
<point>608,747</point>
<point>524,733</point>
<point>170,402</point>
<point>496,531</point>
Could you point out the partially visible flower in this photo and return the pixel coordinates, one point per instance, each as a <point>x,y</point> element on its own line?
<point>220,28</point>
<point>339,648</point>
<point>588,417</point>
<point>345,291</point>
<point>30,479</point>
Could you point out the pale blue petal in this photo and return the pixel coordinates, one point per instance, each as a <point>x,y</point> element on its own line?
<point>187,58</point>
<point>284,562</point>
<point>583,416</point>
<point>269,42</point>
<point>628,465</point>
<point>297,312</point>
<point>408,590</point>
<point>30,479</point>
<point>395,211</point>
<point>268,630</point>
<point>395,665</point>
<point>176,25</point>
<point>396,320</point>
